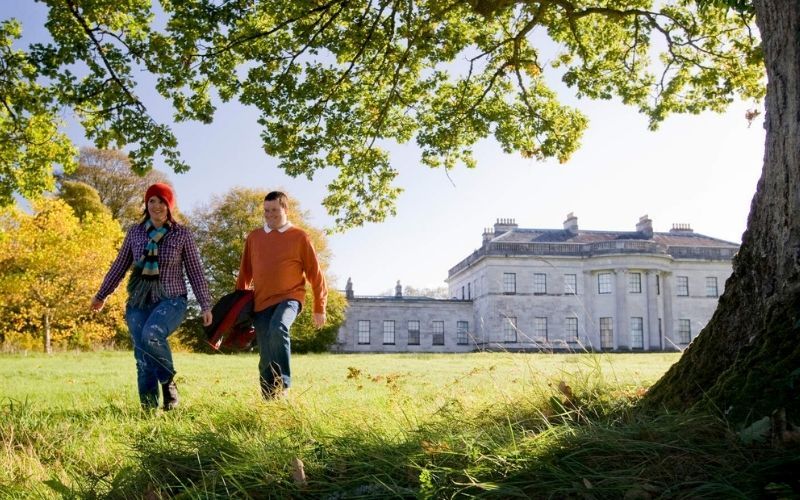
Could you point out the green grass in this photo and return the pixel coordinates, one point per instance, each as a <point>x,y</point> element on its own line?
<point>369,426</point>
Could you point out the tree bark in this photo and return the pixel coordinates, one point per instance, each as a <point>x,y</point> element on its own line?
<point>746,362</point>
<point>48,348</point>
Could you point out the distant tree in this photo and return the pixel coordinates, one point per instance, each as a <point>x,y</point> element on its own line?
<point>220,228</point>
<point>50,265</point>
<point>83,199</point>
<point>439,292</point>
<point>120,189</point>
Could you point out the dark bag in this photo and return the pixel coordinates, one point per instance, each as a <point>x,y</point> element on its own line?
<point>232,324</point>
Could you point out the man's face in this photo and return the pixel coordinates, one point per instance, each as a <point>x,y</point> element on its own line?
<point>274,214</point>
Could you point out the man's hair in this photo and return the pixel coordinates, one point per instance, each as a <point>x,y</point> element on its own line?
<point>283,200</point>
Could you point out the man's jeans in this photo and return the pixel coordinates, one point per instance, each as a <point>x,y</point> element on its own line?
<point>150,326</point>
<point>274,345</point>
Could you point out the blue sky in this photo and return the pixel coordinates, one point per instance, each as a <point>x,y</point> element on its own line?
<point>701,170</point>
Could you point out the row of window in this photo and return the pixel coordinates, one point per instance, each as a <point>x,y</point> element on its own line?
<point>389,337</point>
<point>511,332</point>
<point>604,284</point>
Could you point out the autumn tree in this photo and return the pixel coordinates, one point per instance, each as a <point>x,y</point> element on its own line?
<point>109,172</point>
<point>336,80</point>
<point>51,263</point>
<point>83,198</point>
<point>221,227</point>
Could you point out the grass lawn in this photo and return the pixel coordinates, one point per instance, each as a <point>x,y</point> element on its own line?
<point>363,426</point>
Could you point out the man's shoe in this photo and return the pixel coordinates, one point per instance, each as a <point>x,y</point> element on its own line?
<point>170,392</point>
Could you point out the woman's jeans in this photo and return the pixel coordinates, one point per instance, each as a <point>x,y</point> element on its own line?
<point>274,346</point>
<point>150,326</point>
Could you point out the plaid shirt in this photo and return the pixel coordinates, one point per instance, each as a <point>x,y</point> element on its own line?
<point>175,252</point>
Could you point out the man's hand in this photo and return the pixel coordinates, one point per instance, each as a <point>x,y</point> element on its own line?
<point>207,318</point>
<point>319,320</point>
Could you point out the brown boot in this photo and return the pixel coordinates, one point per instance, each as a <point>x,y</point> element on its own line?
<point>170,393</point>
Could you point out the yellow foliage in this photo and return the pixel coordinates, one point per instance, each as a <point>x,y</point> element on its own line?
<point>51,264</point>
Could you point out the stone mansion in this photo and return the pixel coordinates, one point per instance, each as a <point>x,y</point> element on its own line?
<point>555,289</point>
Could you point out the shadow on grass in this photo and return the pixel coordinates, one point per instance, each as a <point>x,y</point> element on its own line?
<point>513,451</point>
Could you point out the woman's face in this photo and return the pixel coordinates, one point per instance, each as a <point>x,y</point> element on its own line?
<point>158,210</point>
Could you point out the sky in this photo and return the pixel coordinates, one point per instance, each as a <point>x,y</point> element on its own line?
<point>700,170</point>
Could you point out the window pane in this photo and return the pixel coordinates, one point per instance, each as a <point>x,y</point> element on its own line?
<point>684,331</point>
<point>637,333</point>
<point>462,327</point>
<point>570,284</point>
<point>388,332</point>
<point>604,283</point>
<point>711,287</point>
<point>438,333</point>
<point>363,331</point>
<point>509,283</point>
<point>539,284</point>
<point>683,286</point>
<point>540,329</point>
<point>571,329</point>
<point>634,282</point>
<point>606,333</point>
<point>510,329</point>
<point>413,332</point>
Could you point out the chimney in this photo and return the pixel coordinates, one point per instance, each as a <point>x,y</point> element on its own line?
<point>504,225</point>
<point>571,224</point>
<point>398,290</point>
<point>645,226</point>
<point>681,228</point>
<point>488,234</point>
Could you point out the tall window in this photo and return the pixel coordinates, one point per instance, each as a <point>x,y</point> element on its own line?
<point>388,332</point>
<point>570,284</point>
<point>658,284</point>
<point>711,287</point>
<point>637,333</point>
<point>509,283</point>
<point>634,282</point>
<point>413,332</point>
<point>604,283</point>
<point>539,284</point>
<point>571,329</point>
<point>462,327</point>
<point>469,290</point>
<point>462,292</point>
<point>540,328</point>
<point>684,331</point>
<point>683,286</point>
<point>509,328</point>
<point>363,331</point>
<point>438,333</point>
<point>606,333</point>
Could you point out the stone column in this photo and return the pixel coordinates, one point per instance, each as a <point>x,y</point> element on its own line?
<point>591,332</point>
<point>651,338</point>
<point>666,293</point>
<point>622,329</point>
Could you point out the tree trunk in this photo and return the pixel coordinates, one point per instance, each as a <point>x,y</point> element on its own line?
<point>746,362</point>
<point>48,348</point>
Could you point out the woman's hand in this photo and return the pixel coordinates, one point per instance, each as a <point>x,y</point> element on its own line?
<point>97,304</point>
<point>207,318</point>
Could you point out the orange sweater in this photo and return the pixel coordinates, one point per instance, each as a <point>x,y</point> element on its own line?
<point>277,265</point>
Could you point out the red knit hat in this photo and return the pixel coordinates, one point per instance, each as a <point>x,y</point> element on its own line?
<point>163,191</point>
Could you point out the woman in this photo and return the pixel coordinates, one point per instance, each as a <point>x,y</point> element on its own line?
<point>159,249</point>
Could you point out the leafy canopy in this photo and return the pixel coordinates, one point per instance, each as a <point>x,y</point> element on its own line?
<point>336,81</point>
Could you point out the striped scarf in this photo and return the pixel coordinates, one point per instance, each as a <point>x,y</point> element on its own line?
<point>144,285</point>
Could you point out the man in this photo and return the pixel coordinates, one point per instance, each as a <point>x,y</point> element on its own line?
<point>277,261</point>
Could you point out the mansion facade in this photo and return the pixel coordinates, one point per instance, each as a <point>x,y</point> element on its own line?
<point>555,289</point>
